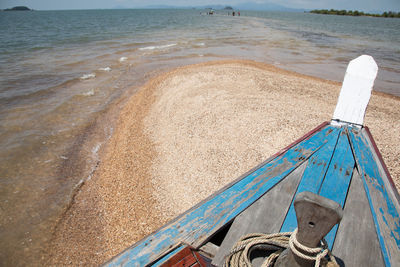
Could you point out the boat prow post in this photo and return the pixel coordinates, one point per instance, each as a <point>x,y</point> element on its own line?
<point>356,91</point>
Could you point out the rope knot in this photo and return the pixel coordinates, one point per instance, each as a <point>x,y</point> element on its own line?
<point>240,252</point>
<point>296,246</point>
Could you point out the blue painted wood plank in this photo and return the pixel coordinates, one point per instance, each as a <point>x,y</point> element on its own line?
<point>384,208</point>
<point>312,178</point>
<point>328,174</point>
<point>197,225</point>
<point>338,178</point>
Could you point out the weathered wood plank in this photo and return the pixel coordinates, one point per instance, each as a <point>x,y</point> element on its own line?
<point>384,206</point>
<point>388,181</point>
<point>263,216</point>
<point>312,179</point>
<point>187,261</point>
<point>356,242</point>
<point>328,176</point>
<point>196,226</point>
<point>209,249</point>
<point>338,177</point>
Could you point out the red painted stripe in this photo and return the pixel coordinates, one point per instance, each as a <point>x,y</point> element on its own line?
<point>188,261</point>
<point>177,257</point>
<point>202,260</point>
<point>187,257</point>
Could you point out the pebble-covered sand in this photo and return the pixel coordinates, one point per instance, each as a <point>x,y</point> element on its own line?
<point>189,132</point>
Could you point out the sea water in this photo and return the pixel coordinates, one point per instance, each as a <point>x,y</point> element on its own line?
<point>64,75</point>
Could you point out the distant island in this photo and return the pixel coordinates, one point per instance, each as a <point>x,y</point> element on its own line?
<point>389,14</point>
<point>18,8</point>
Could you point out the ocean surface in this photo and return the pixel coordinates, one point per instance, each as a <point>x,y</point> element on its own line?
<point>65,74</point>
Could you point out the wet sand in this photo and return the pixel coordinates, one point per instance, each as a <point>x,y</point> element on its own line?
<point>189,132</point>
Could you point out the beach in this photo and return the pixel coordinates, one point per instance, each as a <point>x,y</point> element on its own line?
<point>188,132</point>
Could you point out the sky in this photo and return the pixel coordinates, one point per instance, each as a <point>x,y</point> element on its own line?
<point>362,5</point>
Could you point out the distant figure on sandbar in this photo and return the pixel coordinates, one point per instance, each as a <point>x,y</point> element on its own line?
<point>233,13</point>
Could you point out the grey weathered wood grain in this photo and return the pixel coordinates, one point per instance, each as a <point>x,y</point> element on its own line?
<point>356,241</point>
<point>209,249</point>
<point>392,192</point>
<point>385,207</point>
<point>316,216</point>
<point>264,216</point>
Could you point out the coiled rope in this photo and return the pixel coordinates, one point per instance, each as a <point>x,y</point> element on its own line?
<point>240,253</point>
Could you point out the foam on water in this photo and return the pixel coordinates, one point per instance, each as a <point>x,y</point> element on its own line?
<point>89,93</point>
<point>106,69</point>
<point>122,59</point>
<point>157,47</point>
<point>88,76</point>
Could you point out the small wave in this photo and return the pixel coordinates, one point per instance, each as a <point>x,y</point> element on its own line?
<point>96,148</point>
<point>201,44</point>
<point>107,69</point>
<point>89,93</point>
<point>122,59</point>
<point>88,76</point>
<point>36,48</point>
<point>156,47</point>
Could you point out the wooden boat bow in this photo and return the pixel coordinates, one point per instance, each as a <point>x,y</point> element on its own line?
<point>338,160</point>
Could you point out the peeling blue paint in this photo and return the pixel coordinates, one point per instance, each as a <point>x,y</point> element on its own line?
<point>328,174</point>
<point>337,179</point>
<point>197,225</point>
<point>332,154</point>
<point>386,216</point>
<point>312,178</point>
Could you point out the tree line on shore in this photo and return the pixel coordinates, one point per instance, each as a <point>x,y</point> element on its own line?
<point>389,14</point>
<point>18,8</point>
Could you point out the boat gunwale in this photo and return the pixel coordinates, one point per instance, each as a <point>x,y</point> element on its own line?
<point>279,153</point>
<point>382,162</point>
